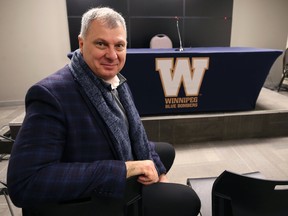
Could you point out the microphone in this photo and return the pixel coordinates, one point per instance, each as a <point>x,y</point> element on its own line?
<point>179,36</point>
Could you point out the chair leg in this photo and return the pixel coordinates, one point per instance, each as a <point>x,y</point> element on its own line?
<point>8,201</point>
<point>281,81</point>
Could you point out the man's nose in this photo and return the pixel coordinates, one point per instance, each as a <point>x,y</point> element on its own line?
<point>111,53</point>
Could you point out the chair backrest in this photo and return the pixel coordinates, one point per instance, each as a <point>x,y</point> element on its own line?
<point>160,41</point>
<point>238,195</point>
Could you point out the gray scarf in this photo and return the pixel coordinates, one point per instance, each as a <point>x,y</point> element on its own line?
<point>128,144</point>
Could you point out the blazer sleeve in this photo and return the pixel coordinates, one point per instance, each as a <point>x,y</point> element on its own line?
<point>36,173</point>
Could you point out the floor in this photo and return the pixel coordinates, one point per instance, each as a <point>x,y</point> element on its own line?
<point>207,159</point>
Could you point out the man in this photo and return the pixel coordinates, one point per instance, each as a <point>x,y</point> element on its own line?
<point>82,135</point>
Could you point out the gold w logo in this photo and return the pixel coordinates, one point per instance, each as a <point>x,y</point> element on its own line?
<point>173,75</point>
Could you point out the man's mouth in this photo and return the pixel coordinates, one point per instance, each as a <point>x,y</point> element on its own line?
<point>109,66</point>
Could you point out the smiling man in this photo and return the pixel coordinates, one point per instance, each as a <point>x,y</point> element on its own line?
<point>103,46</point>
<point>82,136</point>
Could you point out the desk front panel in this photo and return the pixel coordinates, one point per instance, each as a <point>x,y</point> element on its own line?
<point>167,82</point>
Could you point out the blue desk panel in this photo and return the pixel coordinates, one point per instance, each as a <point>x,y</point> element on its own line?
<point>218,79</point>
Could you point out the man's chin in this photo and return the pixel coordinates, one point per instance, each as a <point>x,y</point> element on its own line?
<point>108,75</point>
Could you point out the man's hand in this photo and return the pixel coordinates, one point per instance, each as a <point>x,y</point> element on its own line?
<point>163,178</point>
<point>145,169</point>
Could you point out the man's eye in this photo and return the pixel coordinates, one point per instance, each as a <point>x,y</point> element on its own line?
<point>100,44</point>
<point>120,46</point>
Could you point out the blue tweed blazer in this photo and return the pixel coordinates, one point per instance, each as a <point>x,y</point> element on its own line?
<point>62,151</point>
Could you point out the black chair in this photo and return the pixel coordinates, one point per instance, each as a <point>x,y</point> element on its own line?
<point>285,69</point>
<point>166,153</point>
<point>239,195</point>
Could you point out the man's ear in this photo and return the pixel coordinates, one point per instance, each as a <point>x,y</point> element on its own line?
<point>80,42</point>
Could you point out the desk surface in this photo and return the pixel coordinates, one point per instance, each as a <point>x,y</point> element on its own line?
<point>203,50</point>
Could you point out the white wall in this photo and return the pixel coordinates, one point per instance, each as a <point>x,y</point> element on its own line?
<point>263,24</point>
<point>34,42</point>
<point>34,39</point>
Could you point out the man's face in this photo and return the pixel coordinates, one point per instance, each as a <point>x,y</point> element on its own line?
<point>104,49</point>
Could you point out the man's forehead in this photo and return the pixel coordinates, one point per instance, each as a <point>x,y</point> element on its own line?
<point>107,24</point>
<point>101,31</point>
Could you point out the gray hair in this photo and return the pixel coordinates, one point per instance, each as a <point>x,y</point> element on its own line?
<point>108,16</point>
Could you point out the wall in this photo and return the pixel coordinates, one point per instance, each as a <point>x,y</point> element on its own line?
<point>198,20</point>
<point>34,42</point>
<point>34,39</point>
<point>261,23</point>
